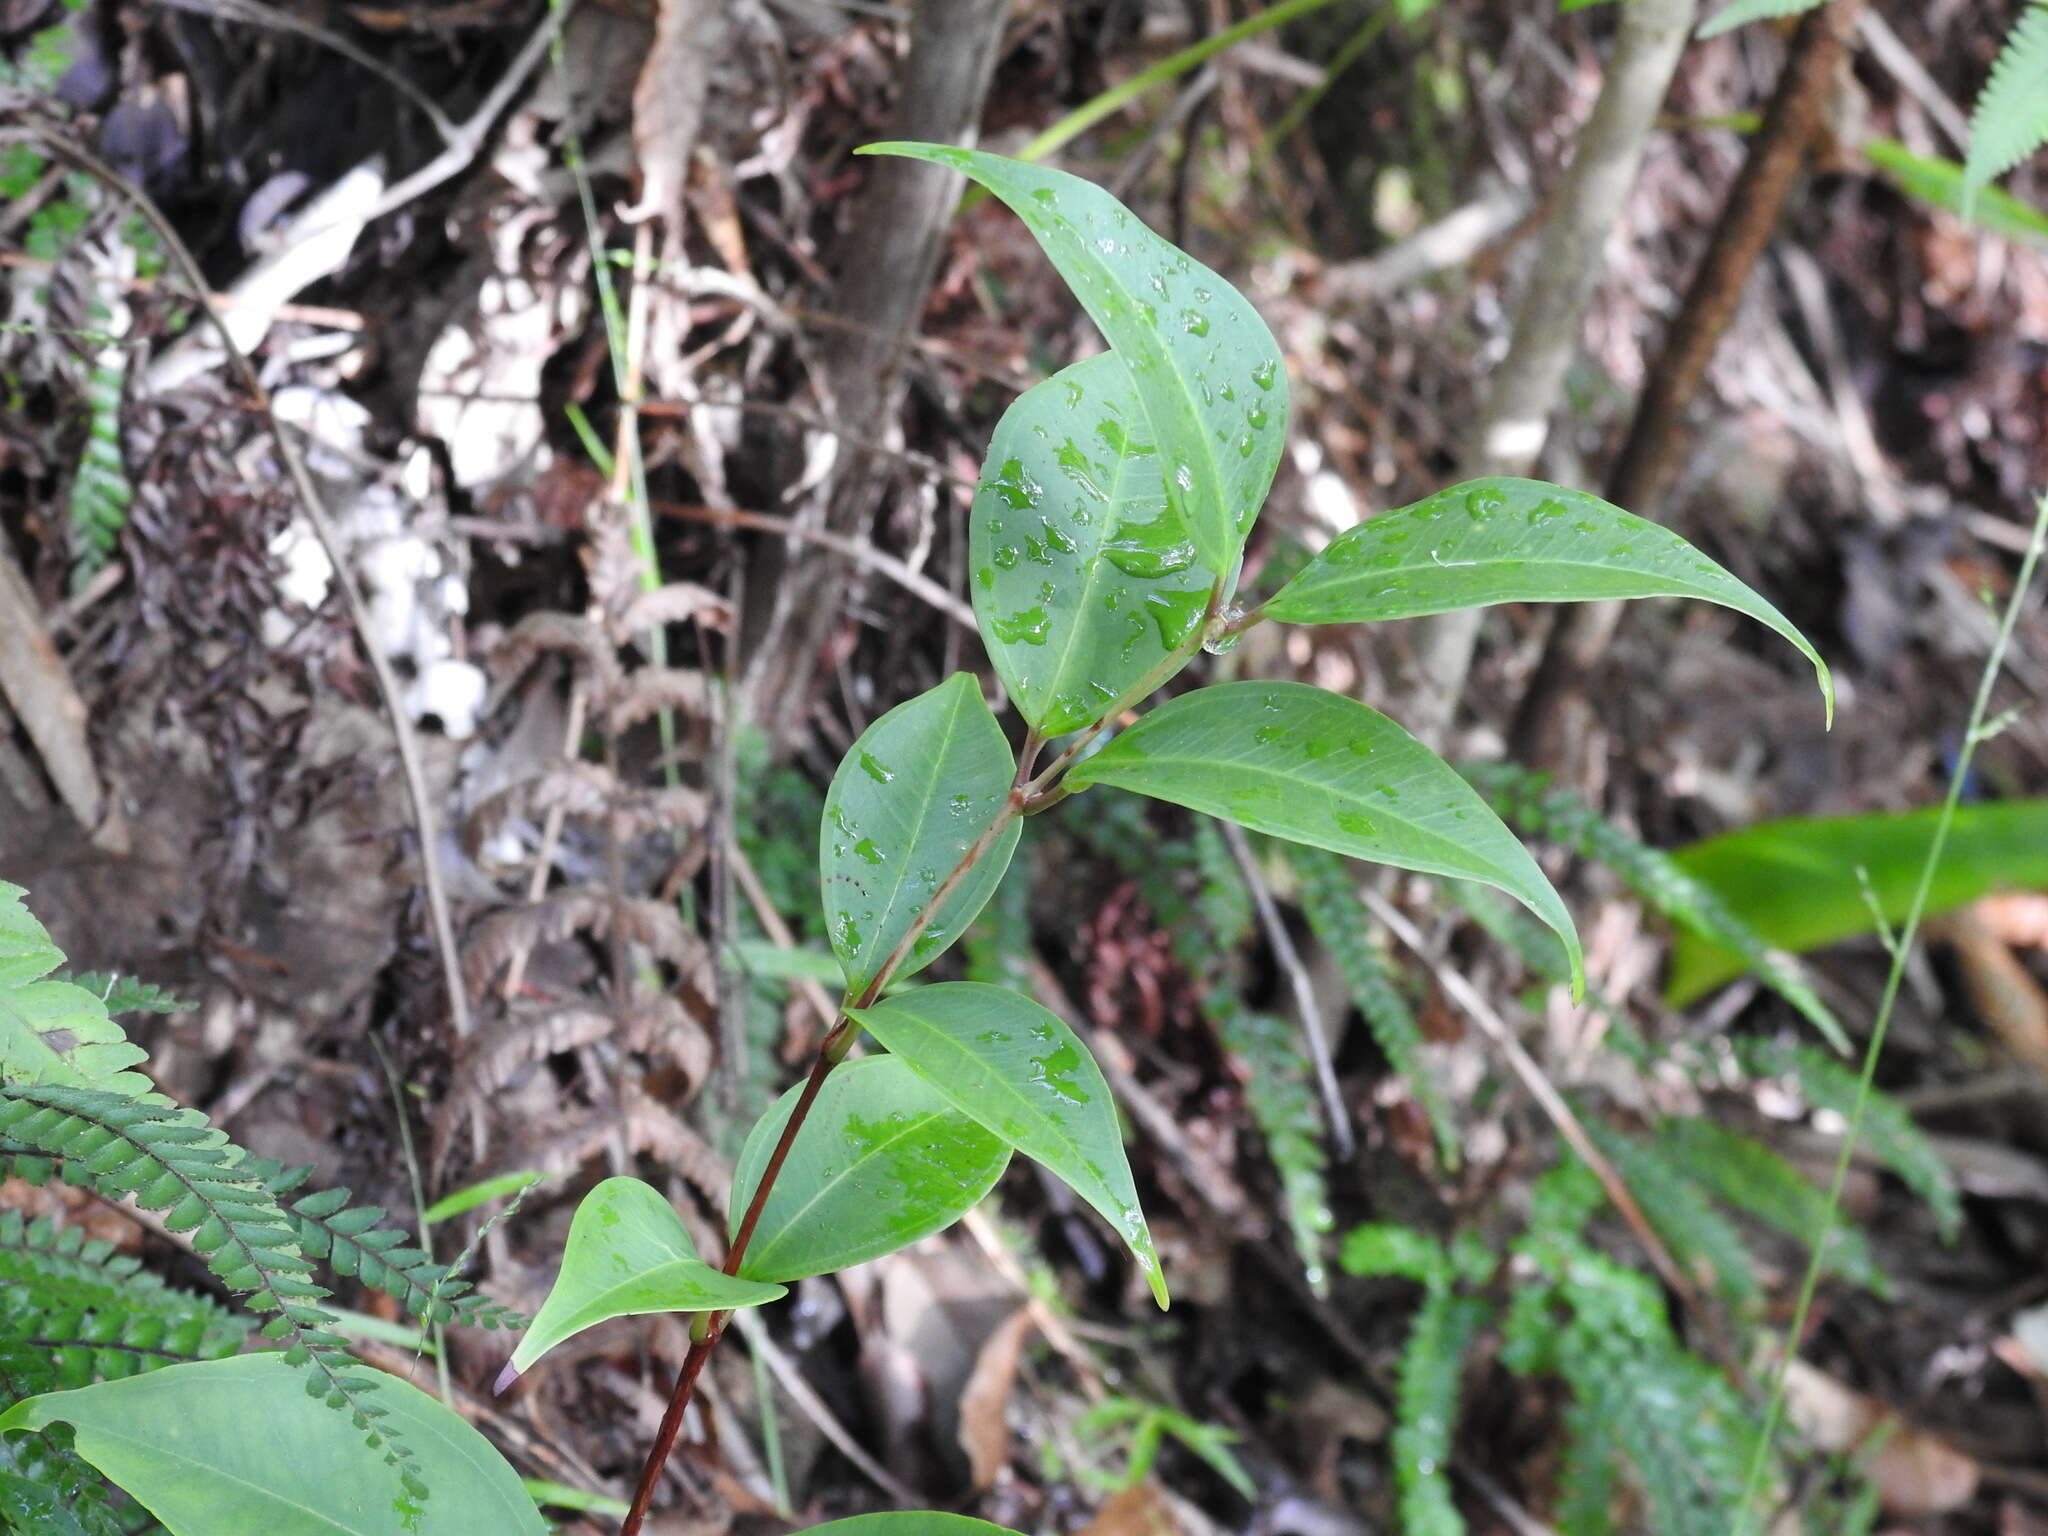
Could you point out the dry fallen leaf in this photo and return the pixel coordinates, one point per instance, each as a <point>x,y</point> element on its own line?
<point>985,1401</point>
<point>1915,1473</point>
<point>1140,1510</point>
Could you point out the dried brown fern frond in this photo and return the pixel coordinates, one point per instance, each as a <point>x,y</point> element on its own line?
<point>584,790</point>
<point>679,602</point>
<point>513,931</point>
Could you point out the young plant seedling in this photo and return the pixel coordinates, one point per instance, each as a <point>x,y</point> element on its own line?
<point>1105,544</point>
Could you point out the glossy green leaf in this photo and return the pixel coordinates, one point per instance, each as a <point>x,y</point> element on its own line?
<point>1207,368</point>
<point>1021,1072</point>
<point>1795,882</point>
<point>236,1448</point>
<point>882,1160</point>
<point>908,1522</point>
<point>920,787</point>
<point>1084,581</point>
<point>628,1255</point>
<point>1309,766</point>
<point>1509,540</point>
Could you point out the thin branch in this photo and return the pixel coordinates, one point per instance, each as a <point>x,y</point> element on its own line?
<point>1541,1089</point>
<point>388,690</point>
<point>861,554</point>
<point>1509,434</point>
<point>1288,958</point>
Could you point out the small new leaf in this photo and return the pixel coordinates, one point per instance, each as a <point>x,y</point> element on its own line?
<point>628,1255</point>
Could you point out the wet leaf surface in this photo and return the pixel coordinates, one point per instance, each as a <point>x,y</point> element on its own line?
<point>1303,764</point>
<point>882,1160</point>
<point>1209,372</point>
<point>1509,540</point>
<point>1022,1073</point>
<point>918,789</point>
<point>1083,579</point>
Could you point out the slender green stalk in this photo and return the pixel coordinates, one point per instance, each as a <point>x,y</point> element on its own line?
<point>1347,55</point>
<point>1113,100</point>
<point>1750,1518</point>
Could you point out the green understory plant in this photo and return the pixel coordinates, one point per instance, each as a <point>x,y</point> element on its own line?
<point>1105,545</point>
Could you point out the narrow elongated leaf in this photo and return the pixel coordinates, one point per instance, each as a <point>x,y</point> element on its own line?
<point>628,1255</point>
<point>1084,580</point>
<point>1940,182</point>
<point>920,787</point>
<point>1018,1070</point>
<point>1306,765</point>
<point>1509,540</point>
<point>882,1161</point>
<point>1208,370</point>
<point>236,1448</point>
<point>1797,884</point>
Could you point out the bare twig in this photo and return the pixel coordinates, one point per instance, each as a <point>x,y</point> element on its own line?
<point>1288,958</point>
<point>817,1411</point>
<point>859,551</point>
<point>467,139</point>
<point>388,690</point>
<point>1541,1089</point>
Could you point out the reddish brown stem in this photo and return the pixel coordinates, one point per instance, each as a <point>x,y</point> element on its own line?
<point>831,1052</point>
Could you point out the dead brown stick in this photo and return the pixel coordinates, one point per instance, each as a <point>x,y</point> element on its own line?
<point>1545,723</point>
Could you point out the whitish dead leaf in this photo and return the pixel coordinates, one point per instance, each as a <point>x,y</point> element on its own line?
<point>1141,1510</point>
<point>1916,1474</point>
<point>985,1401</point>
<point>668,106</point>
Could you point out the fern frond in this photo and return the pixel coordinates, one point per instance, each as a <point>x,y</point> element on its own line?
<point>2010,120</point>
<point>97,509</point>
<point>1283,1103</point>
<point>1696,1233</point>
<point>1426,1409</point>
<point>1528,802</point>
<point>352,1243</point>
<point>1889,1130</point>
<point>1682,1429</point>
<point>1339,919</point>
<point>169,1160</point>
<point>1393,1249</point>
<point>128,994</point>
<point>1591,1469</point>
<point>1751,1177</point>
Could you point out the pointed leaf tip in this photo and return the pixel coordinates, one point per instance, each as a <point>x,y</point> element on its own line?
<point>505,1379</point>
